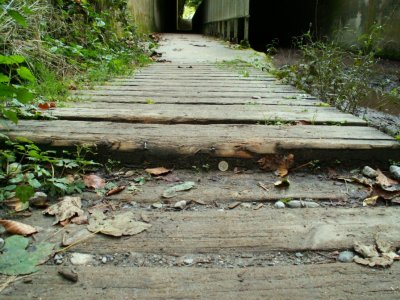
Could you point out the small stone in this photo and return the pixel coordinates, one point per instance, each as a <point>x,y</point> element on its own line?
<point>346,257</point>
<point>129,174</point>
<point>180,204</point>
<point>310,204</point>
<point>279,205</point>
<point>104,260</point>
<point>157,205</point>
<point>299,255</point>
<point>395,170</point>
<point>223,166</point>
<point>295,204</point>
<point>188,261</point>
<point>246,205</point>
<point>369,172</point>
<point>80,259</point>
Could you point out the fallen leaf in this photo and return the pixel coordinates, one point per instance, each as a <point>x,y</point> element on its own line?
<point>47,105</point>
<point>234,205</point>
<point>365,250</point>
<point>172,191</point>
<point>381,192</point>
<point>384,246</point>
<point>383,180</point>
<point>16,259</point>
<point>383,261</point>
<point>158,171</point>
<point>80,220</point>
<point>119,225</point>
<point>15,227</point>
<point>282,183</point>
<point>115,190</point>
<point>302,122</point>
<point>370,201</point>
<point>259,206</point>
<point>16,204</point>
<point>170,177</point>
<point>94,181</point>
<point>66,209</point>
<point>277,162</point>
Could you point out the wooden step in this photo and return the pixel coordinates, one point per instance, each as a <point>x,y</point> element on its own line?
<point>328,281</point>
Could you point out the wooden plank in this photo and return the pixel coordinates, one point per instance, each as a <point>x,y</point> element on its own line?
<point>202,89</point>
<point>195,79</point>
<point>213,230</point>
<point>241,141</point>
<point>328,281</point>
<point>206,114</point>
<point>189,93</point>
<point>188,83</point>
<point>275,100</point>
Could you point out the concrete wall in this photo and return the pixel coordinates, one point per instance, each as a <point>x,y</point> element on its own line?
<point>359,16</point>
<point>154,15</point>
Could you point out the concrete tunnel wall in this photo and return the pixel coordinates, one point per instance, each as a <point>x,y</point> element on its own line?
<point>154,15</point>
<point>284,19</point>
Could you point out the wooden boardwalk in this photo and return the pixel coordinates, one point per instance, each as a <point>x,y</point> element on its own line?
<point>200,108</point>
<point>228,242</point>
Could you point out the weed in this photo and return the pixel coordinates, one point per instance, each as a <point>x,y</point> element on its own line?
<point>25,168</point>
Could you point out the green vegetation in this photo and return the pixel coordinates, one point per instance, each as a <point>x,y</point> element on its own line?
<point>338,76</point>
<point>26,168</point>
<point>47,48</point>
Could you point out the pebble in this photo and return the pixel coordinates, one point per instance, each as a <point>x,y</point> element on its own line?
<point>58,259</point>
<point>180,205</point>
<point>129,174</point>
<point>369,172</point>
<point>188,261</point>
<point>104,260</point>
<point>246,205</point>
<point>299,204</point>
<point>279,205</point>
<point>157,205</point>
<point>80,259</point>
<point>346,256</point>
<point>1,243</point>
<point>299,255</point>
<point>395,170</point>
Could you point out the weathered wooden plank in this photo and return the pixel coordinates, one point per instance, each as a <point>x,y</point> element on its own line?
<point>190,93</point>
<point>189,83</point>
<point>328,281</point>
<point>197,79</point>
<point>213,140</point>
<point>273,100</point>
<point>206,114</point>
<point>202,89</point>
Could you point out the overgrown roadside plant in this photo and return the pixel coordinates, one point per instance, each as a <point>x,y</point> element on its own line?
<point>46,48</point>
<point>339,76</point>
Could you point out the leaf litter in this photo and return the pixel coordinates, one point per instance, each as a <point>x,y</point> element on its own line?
<point>65,210</point>
<point>18,228</point>
<point>18,259</point>
<point>381,254</point>
<point>173,191</point>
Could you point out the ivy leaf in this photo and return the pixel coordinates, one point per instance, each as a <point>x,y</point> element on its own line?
<point>11,115</point>
<point>26,74</point>
<point>7,91</point>
<point>24,192</point>
<point>11,59</point>
<point>24,96</point>
<point>20,19</point>
<point>16,260</point>
<point>4,78</point>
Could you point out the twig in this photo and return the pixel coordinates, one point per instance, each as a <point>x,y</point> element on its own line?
<point>302,166</point>
<point>77,242</point>
<point>10,280</point>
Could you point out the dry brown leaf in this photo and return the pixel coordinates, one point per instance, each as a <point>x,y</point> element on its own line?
<point>116,190</point>
<point>80,220</point>
<point>16,204</point>
<point>47,105</point>
<point>384,246</point>
<point>379,191</point>
<point>277,162</point>
<point>158,171</point>
<point>119,225</point>
<point>370,201</point>
<point>366,250</point>
<point>94,181</point>
<point>383,180</point>
<point>383,261</point>
<point>302,122</point>
<point>169,178</point>
<point>18,228</point>
<point>259,206</point>
<point>66,209</point>
<point>234,205</point>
